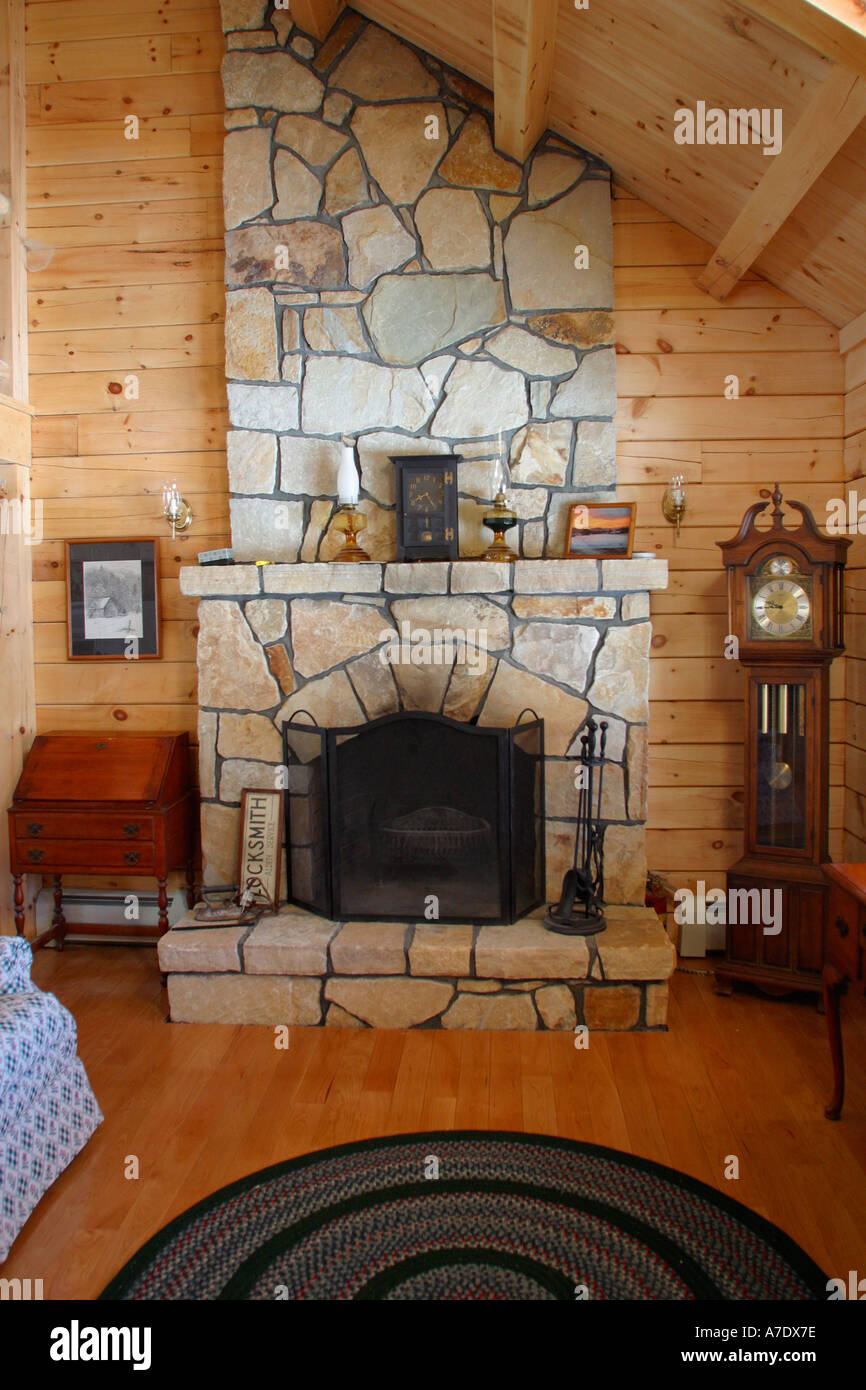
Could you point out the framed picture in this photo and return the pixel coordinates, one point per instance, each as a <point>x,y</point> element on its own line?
<point>112,600</point>
<point>261,824</point>
<point>600,528</point>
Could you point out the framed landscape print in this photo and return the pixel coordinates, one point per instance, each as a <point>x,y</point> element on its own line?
<point>600,529</point>
<point>112,600</point>
<point>261,826</point>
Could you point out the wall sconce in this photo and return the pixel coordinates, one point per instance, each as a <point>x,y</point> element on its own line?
<point>674,500</point>
<point>176,510</point>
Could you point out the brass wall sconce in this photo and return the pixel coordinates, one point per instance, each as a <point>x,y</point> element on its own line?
<point>674,500</point>
<point>176,510</point>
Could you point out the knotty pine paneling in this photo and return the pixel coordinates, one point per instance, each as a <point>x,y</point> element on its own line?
<point>855,606</point>
<point>675,347</point>
<point>134,284</point>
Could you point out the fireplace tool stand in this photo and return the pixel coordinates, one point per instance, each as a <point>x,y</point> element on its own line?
<point>578,912</point>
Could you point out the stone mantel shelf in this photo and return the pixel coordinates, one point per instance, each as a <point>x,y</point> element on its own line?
<point>426,577</point>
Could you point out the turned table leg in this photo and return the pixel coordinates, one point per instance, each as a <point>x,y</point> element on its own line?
<point>18,900</point>
<point>58,921</point>
<point>834,986</point>
<point>162,900</point>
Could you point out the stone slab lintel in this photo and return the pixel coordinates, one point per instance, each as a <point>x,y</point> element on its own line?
<point>220,581</point>
<point>364,578</point>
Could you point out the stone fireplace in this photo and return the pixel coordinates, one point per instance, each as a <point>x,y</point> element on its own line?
<point>392,278</point>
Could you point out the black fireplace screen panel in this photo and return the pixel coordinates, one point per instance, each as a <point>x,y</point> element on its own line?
<point>426,817</point>
<point>527,817</point>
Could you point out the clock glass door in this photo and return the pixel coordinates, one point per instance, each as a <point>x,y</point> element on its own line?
<point>779,740</point>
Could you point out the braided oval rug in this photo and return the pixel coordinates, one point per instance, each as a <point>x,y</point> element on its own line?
<point>469,1215</point>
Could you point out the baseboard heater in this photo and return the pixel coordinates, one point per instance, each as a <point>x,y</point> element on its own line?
<point>88,912</point>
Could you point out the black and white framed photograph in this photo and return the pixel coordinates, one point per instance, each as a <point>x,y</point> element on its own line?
<point>112,590</point>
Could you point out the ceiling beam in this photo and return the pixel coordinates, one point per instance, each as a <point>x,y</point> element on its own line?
<point>524,33</point>
<point>836,28</point>
<point>834,113</point>
<point>316,17</point>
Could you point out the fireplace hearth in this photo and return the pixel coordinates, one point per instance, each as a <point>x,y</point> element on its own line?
<point>416,816</point>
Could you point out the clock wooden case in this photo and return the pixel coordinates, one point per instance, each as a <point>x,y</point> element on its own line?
<point>785,593</point>
<point>426,506</point>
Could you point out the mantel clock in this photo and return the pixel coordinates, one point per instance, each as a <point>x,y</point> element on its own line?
<point>785,598</point>
<point>426,488</point>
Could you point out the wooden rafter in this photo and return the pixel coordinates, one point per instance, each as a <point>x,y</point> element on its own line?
<point>836,28</point>
<point>524,33</point>
<point>316,17</point>
<point>832,115</point>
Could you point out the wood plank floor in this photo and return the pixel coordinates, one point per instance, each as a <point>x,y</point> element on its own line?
<point>200,1106</point>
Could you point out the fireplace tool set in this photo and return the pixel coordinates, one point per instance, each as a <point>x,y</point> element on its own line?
<point>578,912</point>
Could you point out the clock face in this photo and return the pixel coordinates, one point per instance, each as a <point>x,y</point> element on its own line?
<point>426,493</point>
<point>780,608</point>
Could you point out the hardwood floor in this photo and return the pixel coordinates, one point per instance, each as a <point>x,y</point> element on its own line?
<point>200,1106</point>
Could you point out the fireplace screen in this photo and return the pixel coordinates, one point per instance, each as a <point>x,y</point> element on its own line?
<point>415,815</point>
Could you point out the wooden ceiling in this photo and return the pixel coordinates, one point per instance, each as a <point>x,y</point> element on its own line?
<point>621,68</point>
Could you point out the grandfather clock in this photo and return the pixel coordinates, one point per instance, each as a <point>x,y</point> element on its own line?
<point>786,609</point>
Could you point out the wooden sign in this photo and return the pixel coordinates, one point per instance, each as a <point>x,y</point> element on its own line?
<point>261,824</point>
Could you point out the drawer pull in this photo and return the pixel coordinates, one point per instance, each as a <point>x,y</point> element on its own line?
<point>34,828</point>
<point>131,830</point>
<point>34,855</point>
<point>132,856</point>
<point>842,927</point>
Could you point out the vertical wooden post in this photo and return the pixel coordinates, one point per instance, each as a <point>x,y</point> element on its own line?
<point>12,149</point>
<point>524,34</point>
<point>316,17</point>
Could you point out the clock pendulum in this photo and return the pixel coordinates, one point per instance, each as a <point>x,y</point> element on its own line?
<point>785,595</point>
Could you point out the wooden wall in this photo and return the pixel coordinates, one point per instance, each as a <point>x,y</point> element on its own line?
<point>135,285</point>
<point>676,348</point>
<point>130,281</point>
<point>17,702</point>
<point>853,340</point>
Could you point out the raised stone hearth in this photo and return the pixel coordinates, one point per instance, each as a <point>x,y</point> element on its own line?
<point>297,969</point>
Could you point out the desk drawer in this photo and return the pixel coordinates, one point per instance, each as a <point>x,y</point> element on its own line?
<point>843,932</point>
<point>66,825</point>
<point>81,856</point>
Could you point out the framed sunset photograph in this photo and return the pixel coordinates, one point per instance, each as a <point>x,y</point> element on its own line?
<point>600,529</point>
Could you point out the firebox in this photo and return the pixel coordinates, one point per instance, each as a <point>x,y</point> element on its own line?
<point>415,816</point>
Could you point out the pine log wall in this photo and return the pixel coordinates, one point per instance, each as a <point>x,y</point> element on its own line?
<point>130,282</point>
<point>853,339</point>
<point>135,286</point>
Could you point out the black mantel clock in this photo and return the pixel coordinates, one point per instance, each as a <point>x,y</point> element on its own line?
<point>786,610</point>
<point>426,506</point>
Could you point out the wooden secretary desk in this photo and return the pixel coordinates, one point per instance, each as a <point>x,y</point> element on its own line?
<point>113,804</point>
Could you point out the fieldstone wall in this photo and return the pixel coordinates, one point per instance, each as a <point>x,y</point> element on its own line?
<point>568,638</point>
<point>391,277</point>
